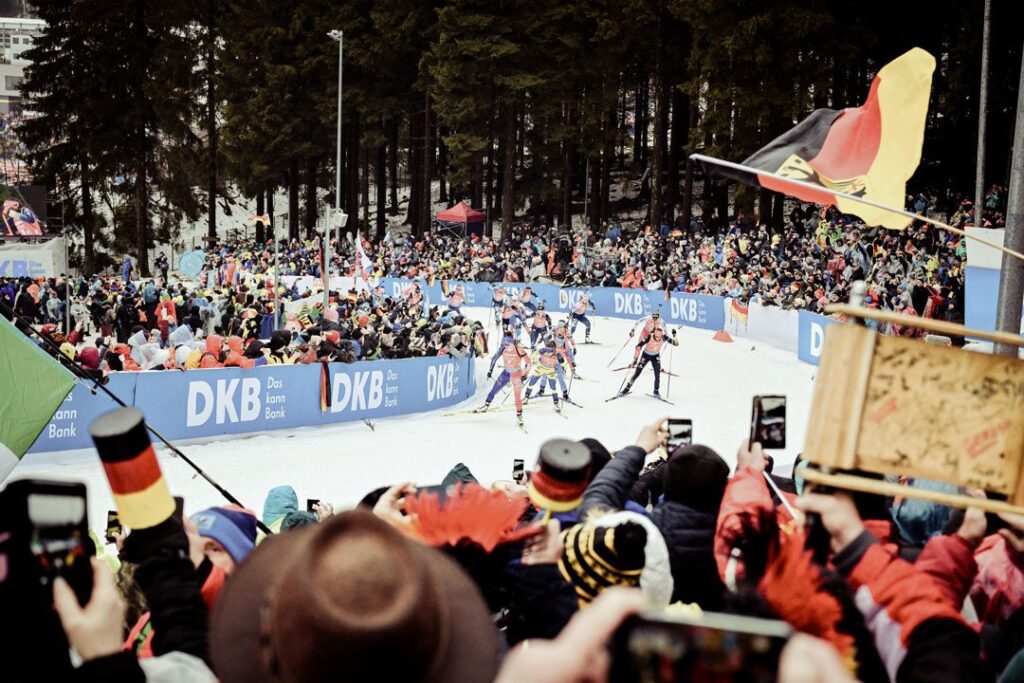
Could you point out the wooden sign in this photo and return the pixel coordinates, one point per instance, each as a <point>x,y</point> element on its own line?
<point>898,406</point>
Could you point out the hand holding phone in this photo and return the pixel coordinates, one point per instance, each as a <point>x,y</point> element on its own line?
<point>768,422</point>
<point>518,471</point>
<point>680,433</point>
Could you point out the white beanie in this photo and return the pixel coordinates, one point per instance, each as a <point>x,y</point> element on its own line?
<point>656,578</point>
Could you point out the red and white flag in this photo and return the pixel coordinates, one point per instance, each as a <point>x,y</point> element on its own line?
<point>363,265</point>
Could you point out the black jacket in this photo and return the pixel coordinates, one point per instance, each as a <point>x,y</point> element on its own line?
<point>689,534</point>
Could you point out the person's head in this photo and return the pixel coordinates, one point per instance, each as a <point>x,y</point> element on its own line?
<point>228,533</point>
<point>351,599</point>
<point>695,476</point>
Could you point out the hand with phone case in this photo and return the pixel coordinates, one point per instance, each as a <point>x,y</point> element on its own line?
<point>95,629</point>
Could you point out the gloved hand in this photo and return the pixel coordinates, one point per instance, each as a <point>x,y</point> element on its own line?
<point>565,395</point>
<point>489,373</point>
<point>632,365</point>
<point>674,332</point>
<point>632,332</point>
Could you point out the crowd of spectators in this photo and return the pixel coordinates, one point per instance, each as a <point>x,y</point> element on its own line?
<point>808,263</point>
<point>528,580</point>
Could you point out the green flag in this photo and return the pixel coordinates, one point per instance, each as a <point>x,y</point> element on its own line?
<point>32,387</point>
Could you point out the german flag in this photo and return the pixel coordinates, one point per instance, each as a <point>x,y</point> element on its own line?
<point>140,491</point>
<point>868,151</point>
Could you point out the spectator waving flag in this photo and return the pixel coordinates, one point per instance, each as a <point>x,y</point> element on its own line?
<point>34,386</point>
<point>868,151</point>
<point>363,264</point>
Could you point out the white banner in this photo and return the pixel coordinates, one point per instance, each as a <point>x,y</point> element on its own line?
<point>33,260</point>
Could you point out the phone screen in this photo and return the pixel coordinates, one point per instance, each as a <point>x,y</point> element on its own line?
<point>680,433</point>
<point>518,471</point>
<point>310,502</point>
<point>768,423</point>
<point>59,537</point>
<point>716,648</point>
<point>113,526</point>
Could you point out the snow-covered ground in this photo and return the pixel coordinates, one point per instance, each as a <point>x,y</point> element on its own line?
<point>341,463</point>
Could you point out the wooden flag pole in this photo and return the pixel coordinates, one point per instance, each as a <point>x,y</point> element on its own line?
<point>851,482</point>
<point>854,198</point>
<point>929,324</point>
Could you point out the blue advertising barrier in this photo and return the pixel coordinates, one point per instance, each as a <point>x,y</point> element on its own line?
<point>69,427</point>
<point>204,403</point>
<point>692,310</point>
<point>811,335</point>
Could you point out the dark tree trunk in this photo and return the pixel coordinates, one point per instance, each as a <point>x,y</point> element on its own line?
<point>508,170</point>
<point>686,208</point>
<point>311,214</point>
<point>595,192</point>
<point>354,133</point>
<point>428,168</point>
<point>211,121</point>
<point>657,209</point>
<point>442,168</point>
<point>293,199</point>
<point>141,146</point>
<point>270,210</point>
<point>380,182</point>
<point>364,155</point>
<point>777,207</point>
<point>489,224</point>
<point>567,172</point>
<point>88,220</point>
<point>412,216</point>
<point>260,232</point>
<point>607,158</point>
<point>680,132</point>
<point>392,129</point>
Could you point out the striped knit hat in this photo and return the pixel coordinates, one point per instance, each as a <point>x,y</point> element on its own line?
<point>595,557</point>
<point>563,471</point>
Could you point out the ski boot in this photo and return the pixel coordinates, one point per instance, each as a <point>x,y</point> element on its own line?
<point>527,395</point>
<point>483,408</point>
<point>656,394</point>
<point>519,418</point>
<point>625,389</point>
<point>558,407</point>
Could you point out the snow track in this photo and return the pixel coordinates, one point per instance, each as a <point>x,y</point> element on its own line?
<point>340,463</point>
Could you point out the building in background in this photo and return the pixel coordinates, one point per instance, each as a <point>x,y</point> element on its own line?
<point>16,36</point>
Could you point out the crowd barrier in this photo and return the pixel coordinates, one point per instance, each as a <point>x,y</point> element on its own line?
<point>205,403</point>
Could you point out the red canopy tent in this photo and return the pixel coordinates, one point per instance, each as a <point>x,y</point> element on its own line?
<point>461,219</point>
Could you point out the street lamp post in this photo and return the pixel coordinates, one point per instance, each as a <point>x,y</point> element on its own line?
<point>339,36</point>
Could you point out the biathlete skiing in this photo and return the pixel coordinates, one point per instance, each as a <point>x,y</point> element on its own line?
<point>540,324</point>
<point>579,315</point>
<point>648,350</point>
<point>516,362</point>
<point>547,368</point>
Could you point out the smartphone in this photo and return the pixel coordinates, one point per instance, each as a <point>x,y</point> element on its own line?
<point>680,433</point>
<point>310,502</point>
<point>768,422</point>
<point>518,471</point>
<point>179,508</point>
<point>717,648</point>
<point>50,518</point>
<point>113,526</point>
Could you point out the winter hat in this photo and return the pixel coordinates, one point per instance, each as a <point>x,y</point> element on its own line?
<point>597,557</point>
<point>656,578</point>
<point>232,526</point>
<point>332,336</point>
<point>599,455</point>
<point>696,477</point>
<point>336,601</point>
<point>563,472</point>
<point>89,357</point>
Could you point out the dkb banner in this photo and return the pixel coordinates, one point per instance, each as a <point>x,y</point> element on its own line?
<point>811,335</point>
<point>204,403</point>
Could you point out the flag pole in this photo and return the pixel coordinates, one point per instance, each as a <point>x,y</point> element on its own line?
<point>81,376</point>
<point>854,198</point>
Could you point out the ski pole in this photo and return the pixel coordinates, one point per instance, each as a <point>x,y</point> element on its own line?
<point>668,390</point>
<point>619,352</point>
<point>82,376</point>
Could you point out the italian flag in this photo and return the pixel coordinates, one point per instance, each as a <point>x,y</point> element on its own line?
<point>32,387</point>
